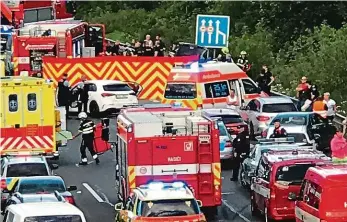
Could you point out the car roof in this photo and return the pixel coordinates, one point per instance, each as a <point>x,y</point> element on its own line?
<point>30,198</point>
<point>105,82</point>
<point>146,194</point>
<point>334,174</point>
<point>25,159</point>
<point>292,156</point>
<point>220,112</point>
<point>44,209</point>
<point>274,100</point>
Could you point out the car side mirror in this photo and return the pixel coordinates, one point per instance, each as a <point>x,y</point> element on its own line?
<point>199,203</point>
<point>72,188</point>
<point>54,166</point>
<point>118,206</point>
<point>292,196</point>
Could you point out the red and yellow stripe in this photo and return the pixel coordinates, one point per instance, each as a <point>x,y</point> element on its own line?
<point>131,176</point>
<point>216,169</point>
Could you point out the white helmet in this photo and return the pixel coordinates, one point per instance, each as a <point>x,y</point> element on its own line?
<point>82,115</point>
<point>243,53</point>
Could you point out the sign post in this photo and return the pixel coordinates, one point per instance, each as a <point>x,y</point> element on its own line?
<point>212,31</point>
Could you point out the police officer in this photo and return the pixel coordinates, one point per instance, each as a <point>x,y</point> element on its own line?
<point>241,145</point>
<point>64,94</point>
<point>87,130</point>
<point>278,132</point>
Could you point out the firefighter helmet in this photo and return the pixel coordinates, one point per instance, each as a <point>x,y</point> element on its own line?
<point>225,50</point>
<point>243,53</point>
<point>82,115</point>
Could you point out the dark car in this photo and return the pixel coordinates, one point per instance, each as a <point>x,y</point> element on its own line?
<point>38,185</point>
<point>314,123</point>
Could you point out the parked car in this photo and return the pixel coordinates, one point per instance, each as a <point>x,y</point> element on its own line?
<point>231,118</point>
<point>262,146</point>
<point>38,185</point>
<point>225,143</point>
<point>18,166</point>
<point>260,111</point>
<point>305,127</point>
<point>105,96</point>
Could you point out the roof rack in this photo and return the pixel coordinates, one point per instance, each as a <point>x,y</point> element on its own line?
<point>276,140</point>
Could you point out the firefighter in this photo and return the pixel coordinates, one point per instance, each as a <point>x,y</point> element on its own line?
<point>242,61</point>
<point>241,145</point>
<point>320,107</point>
<point>225,56</point>
<point>87,128</point>
<point>278,131</point>
<point>64,94</point>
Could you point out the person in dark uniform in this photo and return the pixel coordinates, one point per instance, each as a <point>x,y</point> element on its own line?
<point>138,50</point>
<point>116,49</point>
<point>83,96</point>
<point>158,49</point>
<point>241,145</point>
<point>87,130</point>
<point>64,94</point>
<point>109,49</point>
<point>278,132</point>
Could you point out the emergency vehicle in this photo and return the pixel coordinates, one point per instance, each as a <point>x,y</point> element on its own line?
<point>278,174</point>
<point>323,195</point>
<point>207,85</point>
<point>61,39</point>
<point>6,33</point>
<point>159,201</point>
<point>28,118</point>
<point>167,144</point>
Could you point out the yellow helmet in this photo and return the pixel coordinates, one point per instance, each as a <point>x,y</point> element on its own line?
<point>225,50</point>
<point>243,53</point>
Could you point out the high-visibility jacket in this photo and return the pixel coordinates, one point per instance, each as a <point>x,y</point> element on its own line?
<point>320,108</point>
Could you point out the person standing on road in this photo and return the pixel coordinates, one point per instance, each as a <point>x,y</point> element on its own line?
<point>278,132</point>
<point>265,79</point>
<point>86,128</point>
<point>241,145</point>
<point>64,94</point>
<point>338,146</point>
<point>83,95</point>
<point>331,104</point>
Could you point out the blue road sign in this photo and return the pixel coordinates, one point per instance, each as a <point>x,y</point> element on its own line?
<point>212,31</point>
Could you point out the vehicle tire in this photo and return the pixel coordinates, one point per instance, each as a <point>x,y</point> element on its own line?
<point>251,131</point>
<point>94,109</point>
<point>254,209</point>
<point>242,177</point>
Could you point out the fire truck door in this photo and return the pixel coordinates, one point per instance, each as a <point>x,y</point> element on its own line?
<point>12,109</point>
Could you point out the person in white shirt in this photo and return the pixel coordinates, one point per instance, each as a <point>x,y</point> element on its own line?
<point>331,104</point>
<point>232,100</point>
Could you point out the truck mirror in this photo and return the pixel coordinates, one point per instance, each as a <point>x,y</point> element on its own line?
<point>292,196</point>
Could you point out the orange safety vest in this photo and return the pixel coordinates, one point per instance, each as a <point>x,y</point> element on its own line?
<point>319,107</point>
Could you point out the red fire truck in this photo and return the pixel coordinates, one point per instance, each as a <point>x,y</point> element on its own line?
<point>61,39</point>
<point>168,144</point>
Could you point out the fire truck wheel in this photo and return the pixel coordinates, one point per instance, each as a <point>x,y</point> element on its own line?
<point>94,109</point>
<point>254,209</point>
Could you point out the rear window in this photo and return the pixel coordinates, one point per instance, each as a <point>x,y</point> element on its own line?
<point>229,119</point>
<point>41,186</point>
<point>180,91</point>
<point>27,170</point>
<point>117,87</point>
<point>291,120</point>
<point>63,218</point>
<point>169,208</point>
<point>279,108</point>
<point>293,174</point>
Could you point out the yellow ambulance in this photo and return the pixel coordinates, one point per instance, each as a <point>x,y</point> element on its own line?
<point>28,119</point>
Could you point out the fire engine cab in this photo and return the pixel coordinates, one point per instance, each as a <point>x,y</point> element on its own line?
<point>207,85</point>
<point>61,39</point>
<point>168,144</point>
<point>277,176</point>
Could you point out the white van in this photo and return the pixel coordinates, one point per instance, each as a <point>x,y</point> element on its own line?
<point>53,212</point>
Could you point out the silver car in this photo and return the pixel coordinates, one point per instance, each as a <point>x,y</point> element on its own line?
<point>249,165</point>
<point>260,111</point>
<point>225,141</point>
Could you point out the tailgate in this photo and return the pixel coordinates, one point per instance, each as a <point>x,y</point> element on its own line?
<point>283,204</point>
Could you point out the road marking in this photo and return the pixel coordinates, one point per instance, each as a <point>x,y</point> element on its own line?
<point>92,192</point>
<point>98,189</point>
<point>234,211</point>
<point>228,193</point>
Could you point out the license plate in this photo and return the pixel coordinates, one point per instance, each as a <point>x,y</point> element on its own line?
<point>121,96</point>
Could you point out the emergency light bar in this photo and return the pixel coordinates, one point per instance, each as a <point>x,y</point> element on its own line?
<point>277,140</point>
<point>190,65</point>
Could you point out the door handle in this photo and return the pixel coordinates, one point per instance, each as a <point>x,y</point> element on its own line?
<point>16,126</point>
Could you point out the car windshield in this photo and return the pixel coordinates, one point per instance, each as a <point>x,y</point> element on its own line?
<point>27,170</point>
<point>41,186</point>
<point>279,108</point>
<point>298,137</point>
<point>180,91</point>
<point>293,174</point>
<point>291,120</point>
<point>170,208</point>
<point>58,218</point>
<point>39,198</point>
<point>117,87</point>
<point>229,119</point>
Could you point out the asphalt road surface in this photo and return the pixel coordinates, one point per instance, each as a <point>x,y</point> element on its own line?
<point>96,194</point>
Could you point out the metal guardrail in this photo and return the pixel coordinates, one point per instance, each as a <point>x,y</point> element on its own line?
<point>338,118</point>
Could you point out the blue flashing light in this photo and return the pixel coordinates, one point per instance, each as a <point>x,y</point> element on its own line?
<point>156,186</point>
<point>178,185</point>
<point>177,105</point>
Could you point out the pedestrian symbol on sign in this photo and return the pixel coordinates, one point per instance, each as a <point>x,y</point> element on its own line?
<point>188,146</point>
